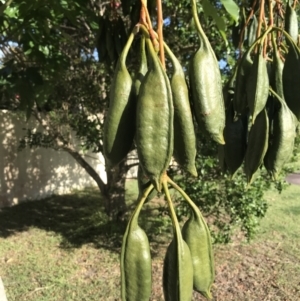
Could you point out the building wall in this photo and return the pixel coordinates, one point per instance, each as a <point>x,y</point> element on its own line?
<point>37,173</point>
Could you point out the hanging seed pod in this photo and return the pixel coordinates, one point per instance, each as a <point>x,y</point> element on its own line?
<point>221,158</point>
<point>240,95</point>
<point>291,22</point>
<point>252,31</point>
<point>143,184</point>
<point>101,47</point>
<point>257,145</point>
<point>154,120</point>
<point>143,67</point>
<point>281,142</point>
<point>290,79</point>
<point>119,124</point>
<point>136,259</point>
<point>197,236</point>
<point>228,90</point>
<point>277,69</point>
<point>237,29</point>
<point>119,35</point>
<point>178,271</point>
<point>271,108</point>
<point>126,7</point>
<point>257,86</point>
<point>178,266</point>
<point>235,134</point>
<point>235,35</point>
<point>184,133</point>
<point>110,41</point>
<point>206,86</point>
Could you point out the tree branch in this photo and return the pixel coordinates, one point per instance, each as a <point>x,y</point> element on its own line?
<point>87,167</point>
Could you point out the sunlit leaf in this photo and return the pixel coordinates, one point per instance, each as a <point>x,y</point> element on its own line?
<point>232,8</point>
<point>211,11</point>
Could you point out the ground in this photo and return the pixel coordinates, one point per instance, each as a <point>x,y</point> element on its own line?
<point>63,248</point>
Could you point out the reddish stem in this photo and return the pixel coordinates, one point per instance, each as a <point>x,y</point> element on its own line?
<point>160,32</point>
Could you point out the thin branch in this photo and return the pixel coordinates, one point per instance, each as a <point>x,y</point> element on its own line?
<point>160,32</point>
<point>244,28</point>
<point>4,6</point>
<point>261,17</point>
<point>271,19</point>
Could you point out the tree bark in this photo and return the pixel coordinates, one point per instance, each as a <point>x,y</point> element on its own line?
<point>113,192</point>
<point>88,168</point>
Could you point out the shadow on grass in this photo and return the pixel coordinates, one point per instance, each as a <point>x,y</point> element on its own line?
<point>78,218</point>
<point>294,210</point>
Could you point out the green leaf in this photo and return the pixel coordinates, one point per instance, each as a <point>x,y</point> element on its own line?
<point>11,12</point>
<point>210,10</point>
<point>44,50</point>
<point>94,25</point>
<point>232,8</point>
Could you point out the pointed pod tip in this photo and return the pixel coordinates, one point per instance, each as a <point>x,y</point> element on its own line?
<point>274,175</point>
<point>207,294</point>
<point>220,139</point>
<point>156,183</point>
<point>253,118</point>
<point>249,182</point>
<point>192,170</point>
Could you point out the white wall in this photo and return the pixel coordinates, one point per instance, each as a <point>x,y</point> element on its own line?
<point>34,174</point>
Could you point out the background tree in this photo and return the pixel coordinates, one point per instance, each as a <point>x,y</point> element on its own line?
<point>58,60</point>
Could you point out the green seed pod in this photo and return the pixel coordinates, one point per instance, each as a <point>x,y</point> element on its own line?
<point>110,42</point>
<point>178,266</point>
<point>291,22</point>
<point>277,69</point>
<point>184,133</point>
<point>101,47</point>
<point>240,96</point>
<point>154,121</point>
<point>237,29</point>
<point>126,7</point>
<point>257,86</point>
<point>197,236</point>
<point>119,35</point>
<point>228,90</point>
<point>136,259</point>
<point>271,108</point>
<point>235,134</point>
<point>290,80</point>
<point>142,69</point>
<point>281,142</point>
<point>144,183</point>
<point>252,31</point>
<point>206,87</point>
<point>221,157</point>
<point>178,272</point>
<point>257,145</point>
<point>119,125</point>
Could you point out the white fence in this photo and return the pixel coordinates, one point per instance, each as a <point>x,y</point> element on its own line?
<point>2,291</point>
<point>34,174</point>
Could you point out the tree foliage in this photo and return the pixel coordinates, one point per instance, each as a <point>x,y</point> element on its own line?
<point>57,64</point>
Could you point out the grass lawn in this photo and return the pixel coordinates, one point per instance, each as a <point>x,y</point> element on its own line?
<point>65,248</point>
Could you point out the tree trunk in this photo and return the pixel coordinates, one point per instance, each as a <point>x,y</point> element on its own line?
<point>113,192</point>
<point>88,168</point>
